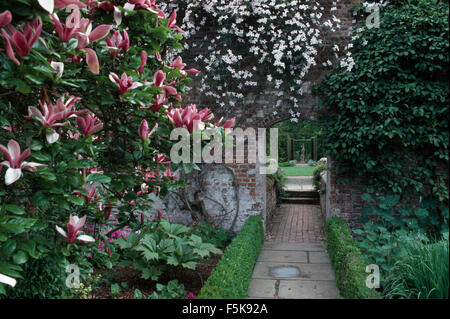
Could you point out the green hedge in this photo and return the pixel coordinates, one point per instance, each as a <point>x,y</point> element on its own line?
<point>347,261</point>
<point>232,275</point>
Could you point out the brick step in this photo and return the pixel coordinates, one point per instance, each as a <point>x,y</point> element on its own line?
<point>307,194</point>
<point>300,200</point>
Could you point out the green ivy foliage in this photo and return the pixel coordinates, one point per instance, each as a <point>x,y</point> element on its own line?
<point>387,120</point>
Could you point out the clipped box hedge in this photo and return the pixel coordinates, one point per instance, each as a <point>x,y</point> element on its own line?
<point>347,261</point>
<point>231,277</point>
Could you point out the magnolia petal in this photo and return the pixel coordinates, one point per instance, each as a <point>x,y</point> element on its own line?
<point>128,6</point>
<point>117,16</point>
<point>135,85</point>
<point>92,60</point>
<point>48,5</point>
<point>61,231</point>
<point>31,166</point>
<point>5,18</point>
<point>86,238</point>
<point>58,67</point>
<point>99,32</point>
<point>7,280</point>
<point>12,175</point>
<point>52,137</point>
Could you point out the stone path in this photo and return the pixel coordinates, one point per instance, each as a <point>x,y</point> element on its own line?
<point>293,262</point>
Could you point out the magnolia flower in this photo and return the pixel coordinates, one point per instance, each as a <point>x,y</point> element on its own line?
<point>67,31</point>
<point>7,280</point>
<point>189,117</point>
<point>86,35</point>
<point>74,226</point>
<point>65,107</point>
<point>49,119</point>
<point>173,21</point>
<point>168,174</point>
<point>159,102</point>
<point>89,125</point>
<point>90,194</point>
<point>148,5</point>
<point>125,83</point>
<point>178,64</point>
<point>15,161</point>
<point>158,80</point>
<point>118,42</point>
<point>143,62</point>
<point>5,18</point>
<point>144,134</point>
<point>20,43</point>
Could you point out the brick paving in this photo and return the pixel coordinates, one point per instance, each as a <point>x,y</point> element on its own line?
<point>296,223</point>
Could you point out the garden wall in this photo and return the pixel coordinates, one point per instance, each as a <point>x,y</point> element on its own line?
<point>256,110</point>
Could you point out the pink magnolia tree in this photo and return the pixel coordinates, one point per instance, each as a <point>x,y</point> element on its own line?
<point>81,83</point>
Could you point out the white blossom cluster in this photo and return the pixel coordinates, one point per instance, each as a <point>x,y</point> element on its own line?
<point>269,44</point>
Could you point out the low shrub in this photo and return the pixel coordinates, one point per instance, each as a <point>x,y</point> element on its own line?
<point>347,261</point>
<point>422,273</point>
<point>231,277</point>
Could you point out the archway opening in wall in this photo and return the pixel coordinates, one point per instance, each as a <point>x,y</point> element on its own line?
<point>293,211</point>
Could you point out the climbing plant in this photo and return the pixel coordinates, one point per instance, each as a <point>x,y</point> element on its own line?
<point>387,119</point>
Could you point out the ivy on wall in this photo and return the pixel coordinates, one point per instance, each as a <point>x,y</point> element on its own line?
<point>387,119</point>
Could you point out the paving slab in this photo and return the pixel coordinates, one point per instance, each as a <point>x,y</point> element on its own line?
<point>264,269</point>
<point>304,289</point>
<point>261,288</point>
<point>283,256</point>
<point>318,257</point>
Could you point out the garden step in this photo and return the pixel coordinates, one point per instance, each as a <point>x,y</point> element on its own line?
<point>301,200</point>
<point>308,194</point>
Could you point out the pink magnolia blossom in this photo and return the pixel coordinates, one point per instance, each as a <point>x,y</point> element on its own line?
<point>158,80</point>
<point>20,43</point>
<point>49,118</point>
<point>148,5</point>
<point>144,133</point>
<point>143,62</point>
<point>159,158</point>
<point>85,34</point>
<point>173,21</point>
<point>67,31</point>
<point>89,125</point>
<point>159,102</point>
<point>125,82</point>
<point>178,64</point>
<point>189,117</point>
<point>15,161</point>
<point>118,42</point>
<point>66,107</point>
<point>74,226</point>
<point>5,18</point>
<point>91,194</point>
<point>168,174</point>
